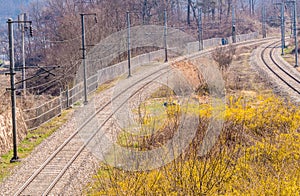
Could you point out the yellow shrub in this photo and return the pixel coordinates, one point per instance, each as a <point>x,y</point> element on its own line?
<point>261,115</point>
<point>271,166</point>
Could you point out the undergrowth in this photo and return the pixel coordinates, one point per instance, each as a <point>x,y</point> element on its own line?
<point>32,140</point>
<point>258,153</point>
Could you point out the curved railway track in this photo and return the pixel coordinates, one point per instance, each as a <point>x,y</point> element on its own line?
<point>271,61</point>
<point>44,179</point>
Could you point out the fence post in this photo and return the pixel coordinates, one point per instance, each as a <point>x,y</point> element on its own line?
<point>67,95</point>
<point>60,102</point>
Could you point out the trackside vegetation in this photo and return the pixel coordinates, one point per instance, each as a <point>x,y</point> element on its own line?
<point>32,140</point>
<point>258,153</point>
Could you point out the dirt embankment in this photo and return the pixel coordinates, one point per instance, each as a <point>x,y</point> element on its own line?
<point>191,73</point>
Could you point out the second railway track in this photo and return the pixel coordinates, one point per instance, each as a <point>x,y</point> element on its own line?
<point>285,75</point>
<point>276,67</point>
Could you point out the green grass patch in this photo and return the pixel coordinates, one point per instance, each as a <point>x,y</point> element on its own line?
<point>288,50</point>
<point>152,117</point>
<point>77,104</point>
<point>32,140</point>
<point>289,55</point>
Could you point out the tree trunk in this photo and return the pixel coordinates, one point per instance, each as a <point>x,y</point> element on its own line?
<point>144,11</point>
<point>252,7</point>
<point>178,10</point>
<point>228,8</point>
<point>213,13</point>
<point>189,12</point>
<point>220,10</point>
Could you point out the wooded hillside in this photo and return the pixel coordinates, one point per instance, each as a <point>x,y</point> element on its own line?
<point>56,38</point>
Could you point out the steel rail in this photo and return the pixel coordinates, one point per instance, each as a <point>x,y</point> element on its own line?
<point>286,73</point>
<point>73,158</point>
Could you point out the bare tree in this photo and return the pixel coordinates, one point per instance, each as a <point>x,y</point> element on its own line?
<point>189,12</point>
<point>57,29</point>
<point>224,56</point>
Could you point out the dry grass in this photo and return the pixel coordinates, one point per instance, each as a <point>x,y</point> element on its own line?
<point>4,95</point>
<point>250,151</point>
<point>33,139</point>
<point>190,72</point>
<point>241,77</point>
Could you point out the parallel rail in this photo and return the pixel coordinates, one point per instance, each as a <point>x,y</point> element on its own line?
<point>44,179</point>
<point>286,77</point>
<point>57,164</point>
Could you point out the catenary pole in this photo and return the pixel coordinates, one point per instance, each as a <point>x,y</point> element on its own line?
<point>200,29</point>
<point>264,30</point>
<point>282,29</point>
<point>128,43</point>
<point>165,35</point>
<point>295,34</point>
<point>83,59</point>
<point>233,26</point>
<point>23,56</point>
<point>15,157</point>
<point>292,19</point>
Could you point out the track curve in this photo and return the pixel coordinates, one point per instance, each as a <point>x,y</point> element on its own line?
<point>276,68</point>
<point>58,162</point>
<point>61,160</point>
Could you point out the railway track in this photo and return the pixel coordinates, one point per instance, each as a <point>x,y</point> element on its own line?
<point>286,74</point>
<point>44,179</point>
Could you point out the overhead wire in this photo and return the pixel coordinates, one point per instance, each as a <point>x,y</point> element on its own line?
<point>72,39</point>
<point>64,41</point>
<point>55,79</point>
<point>111,47</point>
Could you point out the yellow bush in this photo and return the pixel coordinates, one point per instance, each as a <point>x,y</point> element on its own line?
<point>261,115</point>
<point>270,166</point>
